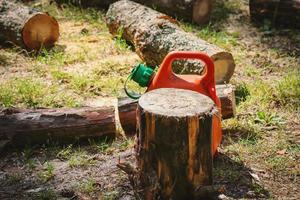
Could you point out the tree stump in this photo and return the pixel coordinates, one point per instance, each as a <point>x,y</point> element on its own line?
<point>173,147</point>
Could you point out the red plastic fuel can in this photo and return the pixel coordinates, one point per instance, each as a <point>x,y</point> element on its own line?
<point>204,84</point>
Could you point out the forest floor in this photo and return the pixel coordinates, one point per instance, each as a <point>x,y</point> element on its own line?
<point>259,155</point>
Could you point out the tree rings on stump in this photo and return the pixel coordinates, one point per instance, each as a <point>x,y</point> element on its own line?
<point>174,140</point>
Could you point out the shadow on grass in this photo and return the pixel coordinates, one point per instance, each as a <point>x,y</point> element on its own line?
<point>237,179</point>
<point>284,40</point>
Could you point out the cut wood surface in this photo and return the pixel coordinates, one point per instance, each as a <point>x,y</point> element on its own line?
<point>154,35</point>
<point>279,12</point>
<point>21,127</point>
<point>26,27</point>
<point>173,147</point>
<point>127,108</point>
<point>198,11</point>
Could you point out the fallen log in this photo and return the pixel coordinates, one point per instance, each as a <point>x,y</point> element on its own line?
<point>154,35</point>
<point>197,11</point>
<point>174,142</point>
<point>27,27</point>
<point>127,108</point>
<point>20,127</point>
<point>279,12</point>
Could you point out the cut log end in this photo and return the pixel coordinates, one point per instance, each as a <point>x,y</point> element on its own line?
<point>202,11</point>
<point>224,67</point>
<point>41,30</point>
<point>186,105</point>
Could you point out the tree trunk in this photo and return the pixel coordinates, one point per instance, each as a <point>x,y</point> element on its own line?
<point>20,127</point>
<point>127,108</point>
<point>26,27</point>
<point>279,12</point>
<point>174,157</point>
<point>197,11</point>
<point>154,35</point>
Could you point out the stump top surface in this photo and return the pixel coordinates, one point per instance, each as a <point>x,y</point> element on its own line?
<point>176,102</point>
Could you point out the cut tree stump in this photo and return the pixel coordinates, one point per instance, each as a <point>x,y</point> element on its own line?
<point>21,127</point>
<point>279,12</point>
<point>197,11</point>
<point>154,35</point>
<point>127,108</point>
<point>27,27</point>
<point>173,149</point>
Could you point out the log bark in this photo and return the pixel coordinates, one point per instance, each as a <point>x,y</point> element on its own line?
<point>173,149</point>
<point>279,12</point>
<point>26,27</point>
<point>21,127</point>
<point>154,35</point>
<point>197,11</point>
<point>127,108</point>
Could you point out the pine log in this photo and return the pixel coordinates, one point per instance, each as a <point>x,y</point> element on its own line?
<point>279,12</point>
<point>127,108</point>
<point>154,35</point>
<point>173,148</point>
<point>21,127</point>
<point>197,11</point>
<point>27,27</point>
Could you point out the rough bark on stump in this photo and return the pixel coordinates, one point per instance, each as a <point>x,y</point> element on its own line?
<point>127,108</point>
<point>279,12</point>
<point>21,127</point>
<point>174,157</point>
<point>154,35</point>
<point>26,27</point>
<point>198,11</point>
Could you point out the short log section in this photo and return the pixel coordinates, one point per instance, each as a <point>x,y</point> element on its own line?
<point>26,27</point>
<point>173,147</point>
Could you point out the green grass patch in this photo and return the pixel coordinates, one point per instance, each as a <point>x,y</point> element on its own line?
<point>87,186</point>
<point>33,92</point>
<point>287,91</point>
<point>47,173</point>
<point>48,194</point>
<point>80,158</point>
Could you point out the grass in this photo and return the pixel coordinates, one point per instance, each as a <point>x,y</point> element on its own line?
<point>48,194</point>
<point>14,178</point>
<point>47,173</point>
<point>87,186</point>
<point>80,158</point>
